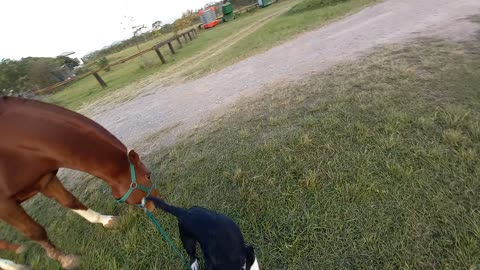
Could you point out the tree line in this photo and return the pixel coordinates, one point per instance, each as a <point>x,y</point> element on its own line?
<point>33,73</point>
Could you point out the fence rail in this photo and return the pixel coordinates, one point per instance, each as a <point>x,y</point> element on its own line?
<point>187,35</point>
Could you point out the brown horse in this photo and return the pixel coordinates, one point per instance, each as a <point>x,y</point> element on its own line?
<point>36,139</point>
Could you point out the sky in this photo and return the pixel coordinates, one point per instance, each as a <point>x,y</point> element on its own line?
<point>47,28</point>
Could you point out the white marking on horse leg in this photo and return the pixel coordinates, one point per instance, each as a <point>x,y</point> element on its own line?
<point>9,265</point>
<point>194,265</point>
<point>21,249</point>
<point>255,265</point>
<point>94,217</point>
<point>69,261</point>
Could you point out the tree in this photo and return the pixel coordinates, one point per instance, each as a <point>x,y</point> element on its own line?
<point>40,73</point>
<point>28,74</point>
<point>103,62</point>
<point>167,28</point>
<point>70,62</point>
<point>157,25</point>
<point>187,19</point>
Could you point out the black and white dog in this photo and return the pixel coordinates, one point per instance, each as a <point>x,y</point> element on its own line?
<point>219,237</point>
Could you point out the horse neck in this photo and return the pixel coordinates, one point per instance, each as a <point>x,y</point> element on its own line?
<point>105,162</point>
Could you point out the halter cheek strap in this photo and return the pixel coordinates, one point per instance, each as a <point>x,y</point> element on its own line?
<point>134,185</point>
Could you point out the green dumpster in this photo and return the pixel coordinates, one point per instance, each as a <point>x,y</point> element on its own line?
<point>227,10</point>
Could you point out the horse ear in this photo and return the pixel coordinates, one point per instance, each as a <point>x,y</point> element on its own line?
<point>133,157</point>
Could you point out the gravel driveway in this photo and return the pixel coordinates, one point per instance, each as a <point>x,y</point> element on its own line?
<point>185,105</point>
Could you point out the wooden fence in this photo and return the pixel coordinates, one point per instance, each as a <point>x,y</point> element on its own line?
<point>187,36</point>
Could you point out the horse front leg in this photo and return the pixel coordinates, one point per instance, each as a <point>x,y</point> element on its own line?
<point>55,190</point>
<point>4,245</point>
<point>7,264</point>
<point>13,214</point>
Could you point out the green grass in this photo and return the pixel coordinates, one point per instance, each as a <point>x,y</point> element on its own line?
<point>230,42</point>
<point>282,28</point>
<point>309,5</point>
<point>372,165</point>
<point>78,93</point>
<point>131,50</point>
<point>87,90</point>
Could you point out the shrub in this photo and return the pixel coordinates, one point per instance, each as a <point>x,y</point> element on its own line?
<point>103,62</point>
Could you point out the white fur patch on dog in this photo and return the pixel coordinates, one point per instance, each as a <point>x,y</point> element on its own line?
<point>255,265</point>
<point>194,265</point>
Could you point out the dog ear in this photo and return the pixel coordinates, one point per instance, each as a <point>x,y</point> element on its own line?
<point>250,256</point>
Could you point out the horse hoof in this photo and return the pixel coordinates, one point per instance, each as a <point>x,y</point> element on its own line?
<point>112,223</point>
<point>70,262</point>
<point>21,249</point>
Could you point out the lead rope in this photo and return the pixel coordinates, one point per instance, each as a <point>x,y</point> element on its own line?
<point>134,185</point>
<point>167,238</point>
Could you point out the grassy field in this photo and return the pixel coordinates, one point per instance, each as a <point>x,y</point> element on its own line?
<point>280,29</point>
<point>223,45</point>
<point>87,90</point>
<point>372,165</point>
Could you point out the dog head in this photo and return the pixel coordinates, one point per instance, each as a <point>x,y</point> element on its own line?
<point>251,263</point>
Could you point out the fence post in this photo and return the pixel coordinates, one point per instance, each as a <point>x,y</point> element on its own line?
<point>189,36</point>
<point>171,47</point>
<point>179,42</point>
<point>185,37</point>
<point>100,80</point>
<point>157,50</point>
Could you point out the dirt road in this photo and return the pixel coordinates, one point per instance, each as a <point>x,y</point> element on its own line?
<point>185,105</point>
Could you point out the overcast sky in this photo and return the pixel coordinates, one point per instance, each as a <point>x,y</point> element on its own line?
<point>49,27</point>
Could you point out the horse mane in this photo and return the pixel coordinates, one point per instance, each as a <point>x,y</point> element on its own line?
<point>61,113</point>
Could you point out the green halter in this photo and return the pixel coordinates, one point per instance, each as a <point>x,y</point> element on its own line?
<point>134,185</point>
